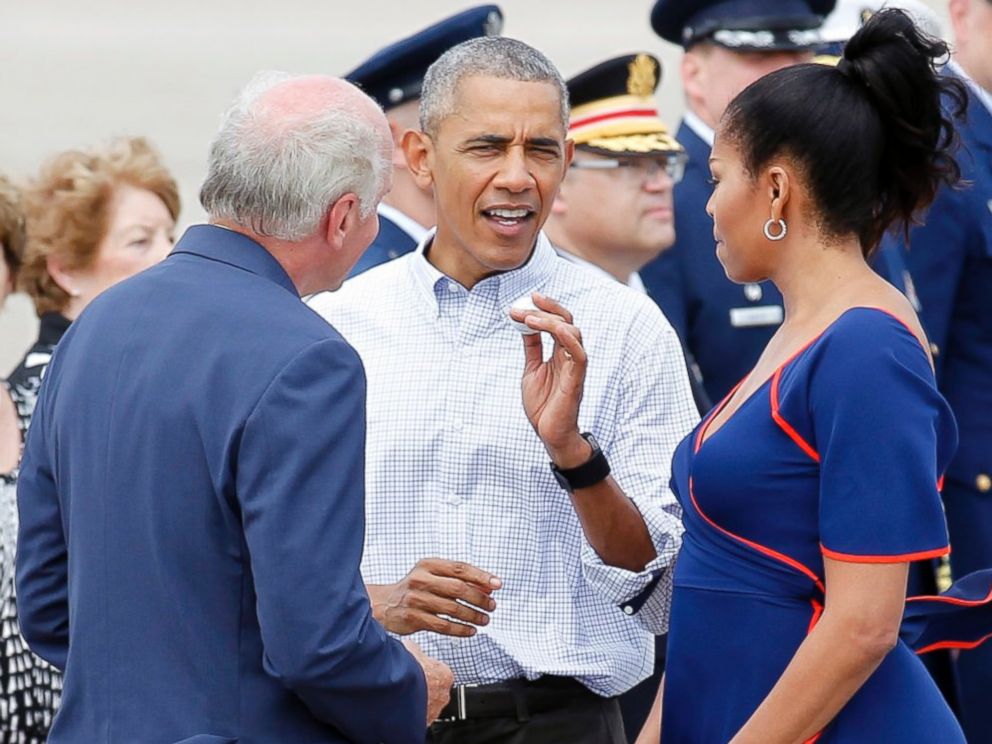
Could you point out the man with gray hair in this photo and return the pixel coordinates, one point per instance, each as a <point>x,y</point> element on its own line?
<point>465,513</point>
<point>191,499</point>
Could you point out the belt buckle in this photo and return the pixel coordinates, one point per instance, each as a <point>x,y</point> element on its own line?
<point>461,709</point>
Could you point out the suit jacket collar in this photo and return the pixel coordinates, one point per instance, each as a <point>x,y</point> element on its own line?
<point>227,246</point>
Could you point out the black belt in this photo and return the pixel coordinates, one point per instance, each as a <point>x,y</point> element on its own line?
<point>515,698</point>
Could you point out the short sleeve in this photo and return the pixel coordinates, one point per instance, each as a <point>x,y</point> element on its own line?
<point>884,435</point>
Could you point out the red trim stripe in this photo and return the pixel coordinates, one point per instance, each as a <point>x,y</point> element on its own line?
<point>786,426</point>
<point>964,645</point>
<point>817,612</point>
<point>900,558</point>
<point>769,552</point>
<point>952,600</point>
<point>622,114</point>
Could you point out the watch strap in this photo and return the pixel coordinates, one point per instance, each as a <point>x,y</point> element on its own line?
<point>592,471</point>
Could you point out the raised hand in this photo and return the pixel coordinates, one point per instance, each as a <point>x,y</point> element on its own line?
<point>552,390</point>
<point>433,588</point>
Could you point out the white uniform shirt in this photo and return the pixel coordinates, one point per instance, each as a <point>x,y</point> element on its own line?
<point>454,469</point>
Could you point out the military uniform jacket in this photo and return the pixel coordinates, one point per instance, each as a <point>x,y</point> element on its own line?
<point>391,242</point>
<point>950,257</point>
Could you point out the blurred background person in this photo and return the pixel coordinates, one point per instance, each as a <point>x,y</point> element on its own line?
<point>94,217</point>
<point>614,211</point>
<point>393,77</point>
<point>850,15</point>
<point>12,238</point>
<point>950,257</point>
<point>728,45</point>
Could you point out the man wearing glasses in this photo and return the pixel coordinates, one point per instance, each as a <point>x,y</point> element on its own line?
<point>614,209</point>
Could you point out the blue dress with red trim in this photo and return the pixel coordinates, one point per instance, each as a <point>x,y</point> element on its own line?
<point>838,454</point>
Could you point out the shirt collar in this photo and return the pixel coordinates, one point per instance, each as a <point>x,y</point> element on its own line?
<point>633,281</point>
<point>980,93</point>
<point>403,221</point>
<point>228,246</point>
<point>697,125</point>
<point>509,285</point>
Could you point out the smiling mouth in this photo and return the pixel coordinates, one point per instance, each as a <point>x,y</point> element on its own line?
<point>509,217</point>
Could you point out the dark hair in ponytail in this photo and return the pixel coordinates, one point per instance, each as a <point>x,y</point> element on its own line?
<point>871,134</point>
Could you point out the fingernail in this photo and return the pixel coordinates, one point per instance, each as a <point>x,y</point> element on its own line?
<point>496,581</point>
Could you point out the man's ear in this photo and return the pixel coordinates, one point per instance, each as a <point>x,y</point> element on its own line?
<point>419,151</point>
<point>342,218</point>
<point>693,77</point>
<point>397,130</point>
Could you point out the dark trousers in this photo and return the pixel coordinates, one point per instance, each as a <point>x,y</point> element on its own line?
<point>584,719</point>
<point>636,703</point>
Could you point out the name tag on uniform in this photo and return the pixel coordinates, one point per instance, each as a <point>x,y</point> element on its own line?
<point>751,317</point>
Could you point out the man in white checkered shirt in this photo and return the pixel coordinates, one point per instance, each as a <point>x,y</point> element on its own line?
<point>540,590</point>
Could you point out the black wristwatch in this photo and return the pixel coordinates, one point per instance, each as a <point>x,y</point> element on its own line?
<point>589,473</point>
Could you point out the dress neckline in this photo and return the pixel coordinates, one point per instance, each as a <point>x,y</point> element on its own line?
<point>704,434</point>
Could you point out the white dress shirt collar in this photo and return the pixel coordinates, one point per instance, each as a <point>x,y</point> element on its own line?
<point>633,281</point>
<point>980,93</point>
<point>403,221</point>
<point>697,125</point>
<point>509,285</point>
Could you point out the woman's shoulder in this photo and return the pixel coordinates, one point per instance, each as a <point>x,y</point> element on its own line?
<point>866,332</point>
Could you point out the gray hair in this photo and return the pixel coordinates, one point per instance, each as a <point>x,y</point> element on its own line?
<point>485,56</point>
<point>277,176</point>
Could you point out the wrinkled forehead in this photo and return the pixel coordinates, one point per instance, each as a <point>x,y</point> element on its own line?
<point>505,107</point>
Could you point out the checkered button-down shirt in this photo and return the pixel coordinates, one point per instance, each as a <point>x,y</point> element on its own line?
<point>455,470</point>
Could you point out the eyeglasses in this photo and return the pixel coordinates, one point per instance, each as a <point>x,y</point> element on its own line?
<point>639,168</point>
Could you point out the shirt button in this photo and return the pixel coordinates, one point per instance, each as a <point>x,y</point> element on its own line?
<point>453,498</point>
<point>457,425</point>
<point>983,482</point>
<point>452,287</point>
<point>628,610</point>
<point>934,349</point>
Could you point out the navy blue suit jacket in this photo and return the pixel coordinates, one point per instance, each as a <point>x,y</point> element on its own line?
<point>192,517</point>
<point>391,242</point>
<point>950,257</point>
<point>724,326</point>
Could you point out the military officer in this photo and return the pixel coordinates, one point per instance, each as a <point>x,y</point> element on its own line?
<point>614,208</point>
<point>950,256</point>
<point>393,77</point>
<point>728,45</point>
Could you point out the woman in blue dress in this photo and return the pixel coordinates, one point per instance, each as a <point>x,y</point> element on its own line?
<point>811,488</point>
